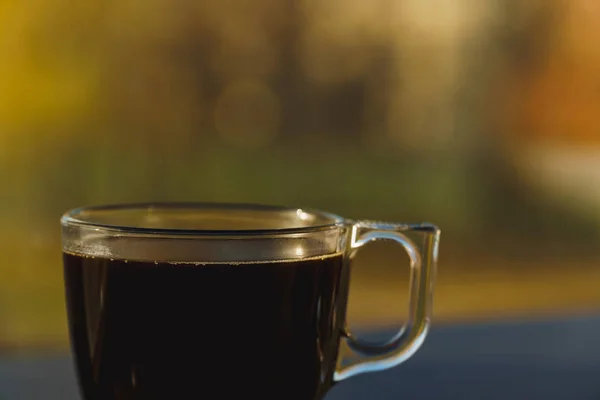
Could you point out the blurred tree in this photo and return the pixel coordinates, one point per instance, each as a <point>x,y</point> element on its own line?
<point>562,100</point>
<point>518,52</point>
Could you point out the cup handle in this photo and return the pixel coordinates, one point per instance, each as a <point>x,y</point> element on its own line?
<point>357,356</point>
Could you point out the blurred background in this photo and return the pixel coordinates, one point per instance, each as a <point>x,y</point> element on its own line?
<point>481,116</point>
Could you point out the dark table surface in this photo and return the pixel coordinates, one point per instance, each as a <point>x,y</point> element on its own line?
<point>547,359</point>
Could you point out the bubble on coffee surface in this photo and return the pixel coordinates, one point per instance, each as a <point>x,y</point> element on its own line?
<point>242,263</point>
<point>90,249</point>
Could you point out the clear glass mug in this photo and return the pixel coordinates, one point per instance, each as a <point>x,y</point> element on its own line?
<point>173,301</point>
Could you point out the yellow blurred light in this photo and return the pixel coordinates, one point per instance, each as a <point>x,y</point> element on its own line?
<point>36,88</point>
<point>35,94</point>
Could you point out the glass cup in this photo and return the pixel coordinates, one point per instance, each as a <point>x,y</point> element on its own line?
<point>193,301</point>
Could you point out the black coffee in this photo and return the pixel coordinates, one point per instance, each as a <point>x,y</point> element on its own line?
<point>157,330</point>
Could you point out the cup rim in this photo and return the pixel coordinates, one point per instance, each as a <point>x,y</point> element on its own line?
<point>74,218</point>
